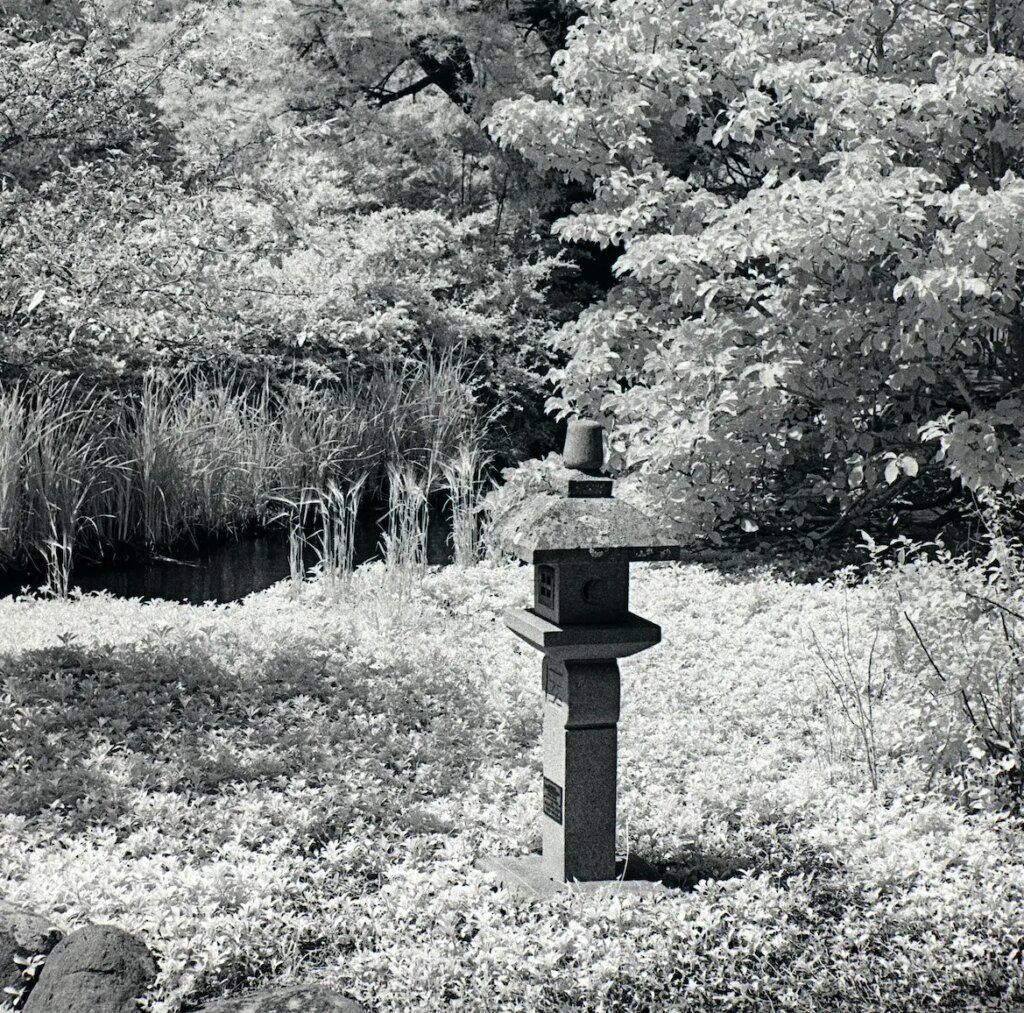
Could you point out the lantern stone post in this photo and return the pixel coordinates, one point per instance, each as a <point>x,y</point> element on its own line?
<point>580,543</point>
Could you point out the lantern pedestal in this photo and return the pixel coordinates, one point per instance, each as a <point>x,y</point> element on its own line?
<point>525,875</point>
<point>580,749</point>
<point>580,544</point>
<point>580,754</point>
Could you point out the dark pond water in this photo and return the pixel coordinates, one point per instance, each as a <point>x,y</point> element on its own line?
<point>222,572</point>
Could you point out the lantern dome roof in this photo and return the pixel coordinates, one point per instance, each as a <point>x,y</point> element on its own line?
<point>551,528</point>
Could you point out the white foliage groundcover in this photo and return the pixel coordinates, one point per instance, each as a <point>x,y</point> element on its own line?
<point>296,787</point>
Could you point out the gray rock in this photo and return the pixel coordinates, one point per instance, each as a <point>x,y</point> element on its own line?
<point>22,934</point>
<point>297,999</point>
<point>99,968</point>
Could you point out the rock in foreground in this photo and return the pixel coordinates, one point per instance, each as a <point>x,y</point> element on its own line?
<point>99,968</point>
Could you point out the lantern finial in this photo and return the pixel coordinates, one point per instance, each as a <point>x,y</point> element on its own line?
<point>584,446</point>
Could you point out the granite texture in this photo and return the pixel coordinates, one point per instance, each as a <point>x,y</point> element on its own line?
<point>98,968</point>
<point>625,637</point>
<point>587,592</point>
<point>550,528</point>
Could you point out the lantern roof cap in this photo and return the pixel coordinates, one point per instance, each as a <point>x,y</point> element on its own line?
<point>551,528</point>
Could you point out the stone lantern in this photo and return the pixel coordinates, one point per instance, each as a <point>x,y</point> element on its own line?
<point>580,544</point>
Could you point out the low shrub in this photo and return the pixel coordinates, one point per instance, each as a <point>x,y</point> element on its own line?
<point>952,628</point>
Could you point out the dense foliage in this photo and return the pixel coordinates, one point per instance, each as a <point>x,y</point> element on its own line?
<point>150,218</point>
<point>177,209</point>
<point>818,208</point>
<point>296,788</point>
<point>814,215</point>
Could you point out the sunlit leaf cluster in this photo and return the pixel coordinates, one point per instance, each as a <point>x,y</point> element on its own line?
<point>818,211</point>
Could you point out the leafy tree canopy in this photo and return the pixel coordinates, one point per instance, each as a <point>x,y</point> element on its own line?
<point>161,208</point>
<point>819,209</point>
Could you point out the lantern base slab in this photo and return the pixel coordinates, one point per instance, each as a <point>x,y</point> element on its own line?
<point>524,875</point>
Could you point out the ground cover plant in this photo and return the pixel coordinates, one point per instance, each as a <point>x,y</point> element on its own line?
<point>295,787</point>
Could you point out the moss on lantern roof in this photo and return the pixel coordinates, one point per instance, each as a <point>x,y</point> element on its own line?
<point>550,528</point>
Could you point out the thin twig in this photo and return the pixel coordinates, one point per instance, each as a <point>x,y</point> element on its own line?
<point>924,647</point>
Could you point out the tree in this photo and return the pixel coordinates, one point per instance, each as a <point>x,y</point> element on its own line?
<point>820,210</point>
<point>127,247</point>
<point>398,95</point>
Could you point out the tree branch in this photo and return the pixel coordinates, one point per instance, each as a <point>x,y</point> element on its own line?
<point>382,97</point>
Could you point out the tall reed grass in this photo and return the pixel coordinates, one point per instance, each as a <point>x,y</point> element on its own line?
<point>55,466</point>
<point>323,523</point>
<point>183,458</point>
<point>196,458</point>
<point>465,479</point>
<point>405,541</point>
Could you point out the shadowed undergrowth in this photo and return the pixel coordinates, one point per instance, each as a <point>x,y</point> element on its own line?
<point>169,718</point>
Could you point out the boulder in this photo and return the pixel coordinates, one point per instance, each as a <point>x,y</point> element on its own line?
<point>22,934</point>
<point>98,968</point>
<point>296,999</point>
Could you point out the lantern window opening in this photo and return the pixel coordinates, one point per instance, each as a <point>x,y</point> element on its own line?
<point>546,586</point>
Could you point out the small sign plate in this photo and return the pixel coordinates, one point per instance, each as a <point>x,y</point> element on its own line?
<point>556,680</point>
<point>553,801</point>
<point>592,488</point>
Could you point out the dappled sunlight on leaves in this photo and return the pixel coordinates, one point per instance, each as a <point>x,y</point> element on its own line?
<point>298,786</point>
